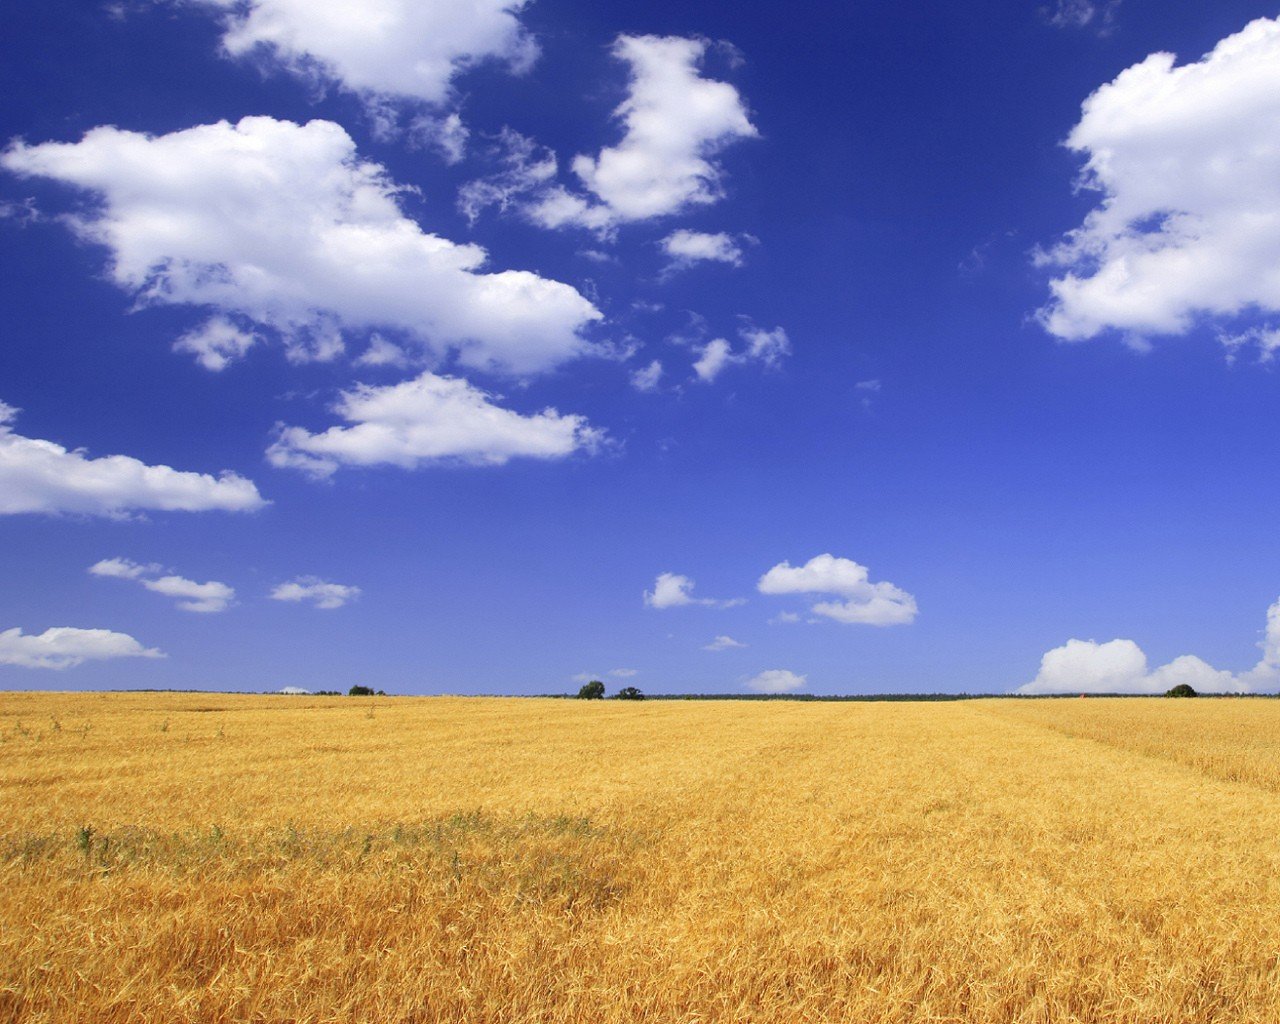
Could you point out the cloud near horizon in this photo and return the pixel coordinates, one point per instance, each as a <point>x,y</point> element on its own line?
<point>63,647</point>
<point>776,680</point>
<point>1120,666</point>
<point>865,603</point>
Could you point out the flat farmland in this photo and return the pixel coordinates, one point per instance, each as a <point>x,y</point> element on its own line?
<point>203,857</point>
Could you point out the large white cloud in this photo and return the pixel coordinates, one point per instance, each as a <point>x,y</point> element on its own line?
<point>1120,666</point>
<point>66,647</point>
<point>674,123</point>
<point>865,603</point>
<point>41,476</point>
<point>190,595</point>
<point>285,225</point>
<point>1187,161</point>
<point>318,592</point>
<point>776,680</point>
<point>429,419</point>
<point>380,48</point>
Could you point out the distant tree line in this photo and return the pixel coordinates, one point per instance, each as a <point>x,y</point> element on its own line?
<point>594,690</point>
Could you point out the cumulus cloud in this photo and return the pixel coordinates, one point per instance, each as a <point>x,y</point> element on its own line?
<point>191,596</point>
<point>646,378</point>
<point>864,602</point>
<point>316,591</point>
<point>685,248</point>
<point>1188,168</point>
<point>722,643</point>
<point>715,356</point>
<point>379,49</point>
<point>284,225</point>
<point>758,345</point>
<point>429,419</point>
<point>671,590</point>
<point>1120,666</point>
<point>776,680</point>
<point>66,647</point>
<point>217,343</point>
<point>624,673</point>
<point>674,123</point>
<point>40,476</point>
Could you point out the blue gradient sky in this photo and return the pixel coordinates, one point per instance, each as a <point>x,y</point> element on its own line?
<point>1023,489</point>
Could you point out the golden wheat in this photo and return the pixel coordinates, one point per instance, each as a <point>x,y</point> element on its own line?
<point>171,858</point>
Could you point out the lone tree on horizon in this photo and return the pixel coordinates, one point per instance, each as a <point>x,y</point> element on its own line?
<point>593,690</point>
<point>1181,690</point>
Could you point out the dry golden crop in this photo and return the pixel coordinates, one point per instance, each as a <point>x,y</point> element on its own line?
<point>172,858</point>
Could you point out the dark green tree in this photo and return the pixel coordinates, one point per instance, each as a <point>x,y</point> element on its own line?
<point>593,690</point>
<point>629,693</point>
<point>1181,690</point>
<point>360,691</point>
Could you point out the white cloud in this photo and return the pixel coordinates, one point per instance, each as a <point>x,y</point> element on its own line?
<point>716,355</point>
<point>674,123</point>
<point>285,225</point>
<point>191,596</point>
<point>382,352</point>
<point>766,347</point>
<point>318,592</point>
<point>722,643</point>
<point>66,647</point>
<point>1120,666</point>
<point>525,167</point>
<point>624,673</point>
<point>1188,168</point>
<point>380,48</point>
<point>1100,14</point>
<point>759,345</point>
<point>122,569</point>
<point>1265,339</point>
<point>776,680</point>
<point>40,476</point>
<point>671,590</point>
<point>865,603</point>
<point>685,248</point>
<point>447,135</point>
<point>425,420</point>
<point>647,377</point>
<point>217,343</point>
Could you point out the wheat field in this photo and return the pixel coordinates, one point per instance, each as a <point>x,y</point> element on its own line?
<point>202,857</point>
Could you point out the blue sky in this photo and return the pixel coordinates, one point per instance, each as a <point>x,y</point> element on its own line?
<point>479,347</point>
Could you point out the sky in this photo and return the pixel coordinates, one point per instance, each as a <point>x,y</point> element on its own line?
<point>491,346</point>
